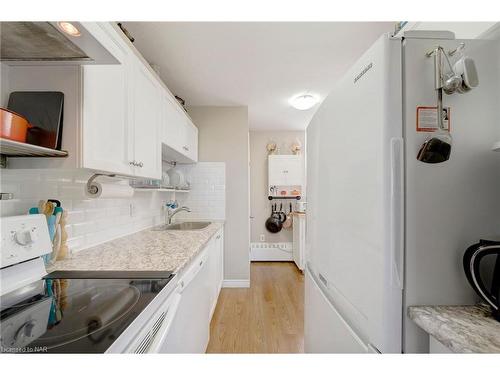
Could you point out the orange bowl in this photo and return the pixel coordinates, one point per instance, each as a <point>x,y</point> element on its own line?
<point>13,126</point>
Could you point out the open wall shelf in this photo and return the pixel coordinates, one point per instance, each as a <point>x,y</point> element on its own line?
<point>162,189</point>
<point>20,149</point>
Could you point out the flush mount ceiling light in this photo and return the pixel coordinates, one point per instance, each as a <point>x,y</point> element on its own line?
<point>303,101</point>
<point>69,28</point>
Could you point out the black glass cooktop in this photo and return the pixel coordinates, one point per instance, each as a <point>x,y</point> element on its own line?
<point>75,312</point>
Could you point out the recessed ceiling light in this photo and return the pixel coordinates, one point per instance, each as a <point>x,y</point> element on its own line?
<point>69,28</point>
<point>303,101</point>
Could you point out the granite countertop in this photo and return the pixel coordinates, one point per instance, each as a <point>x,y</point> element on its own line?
<point>462,329</point>
<point>145,250</point>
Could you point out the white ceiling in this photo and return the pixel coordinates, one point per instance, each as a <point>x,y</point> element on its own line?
<point>259,65</point>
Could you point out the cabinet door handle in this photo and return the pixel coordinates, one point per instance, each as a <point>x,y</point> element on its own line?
<point>140,164</point>
<point>132,163</point>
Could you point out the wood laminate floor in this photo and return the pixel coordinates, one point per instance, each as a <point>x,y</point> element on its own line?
<point>268,317</point>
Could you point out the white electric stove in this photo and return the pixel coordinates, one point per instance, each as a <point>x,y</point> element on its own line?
<point>69,311</point>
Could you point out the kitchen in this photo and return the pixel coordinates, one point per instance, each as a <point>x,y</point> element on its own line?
<point>153,204</point>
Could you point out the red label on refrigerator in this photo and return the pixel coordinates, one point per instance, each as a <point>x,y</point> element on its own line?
<point>427,119</point>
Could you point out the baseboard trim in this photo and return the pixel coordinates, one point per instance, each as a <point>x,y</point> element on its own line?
<point>271,252</point>
<point>236,283</point>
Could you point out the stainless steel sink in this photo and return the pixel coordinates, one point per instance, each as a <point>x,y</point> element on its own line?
<point>187,225</point>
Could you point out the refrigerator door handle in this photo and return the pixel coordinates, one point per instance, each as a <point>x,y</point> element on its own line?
<point>397,212</point>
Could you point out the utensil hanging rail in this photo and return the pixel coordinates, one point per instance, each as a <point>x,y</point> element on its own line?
<point>272,197</point>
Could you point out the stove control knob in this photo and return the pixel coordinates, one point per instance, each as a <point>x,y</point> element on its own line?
<point>23,237</point>
<point>28,328</point>
<point>25,332</point>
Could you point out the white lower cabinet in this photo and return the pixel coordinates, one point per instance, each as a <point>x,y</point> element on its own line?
<point>190,327</point>
<point>199,288</point>
<point>216,267</point>
<point>299,240</point>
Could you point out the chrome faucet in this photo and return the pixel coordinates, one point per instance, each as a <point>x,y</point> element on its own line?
<point>171,213</point>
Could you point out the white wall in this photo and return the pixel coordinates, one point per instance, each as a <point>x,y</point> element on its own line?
<point>223,137</point>
<point>259,204</point>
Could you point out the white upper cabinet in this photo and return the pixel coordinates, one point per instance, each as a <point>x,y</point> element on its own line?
<point>146,107</point>
<point>286,170</point>
<point>121,116</point>
<point>179,135</point>
<point>172,125</point>
<point>191,142</point>
<point>117,117</point>
<point>106,124</point>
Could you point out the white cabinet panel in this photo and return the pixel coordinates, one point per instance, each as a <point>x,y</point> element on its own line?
<point>199,287</point>
<point>191,141</point>
<point>190,328</point>
<point>216,262</point>
<point>277,166</point>
<point>293,171</point>
<point>219,240</point>
<point>285,170</point>
<point>146,108</point>
<point>179,135</point>
<point>173,125</point>
<point>299,240</point>
<point>106,130</point>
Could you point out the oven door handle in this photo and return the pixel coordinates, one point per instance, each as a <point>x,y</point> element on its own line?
<point>162,333</point>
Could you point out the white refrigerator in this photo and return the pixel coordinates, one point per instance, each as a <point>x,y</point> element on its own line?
<point>384,230</point>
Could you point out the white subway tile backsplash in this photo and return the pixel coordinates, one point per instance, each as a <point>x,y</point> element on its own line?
<point>36,189</point>
<point>69,230</point>
<point>207,196</point>
<point>113,211</point>
<point>95,214</point>
<point>71,190</point>
<point>82,229</point>
<point>84,204</point>
<point>76,243</point>
<point>94,221</point>
<point>75,217</point>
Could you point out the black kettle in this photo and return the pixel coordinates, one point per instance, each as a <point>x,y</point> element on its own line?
<point>482,268</point>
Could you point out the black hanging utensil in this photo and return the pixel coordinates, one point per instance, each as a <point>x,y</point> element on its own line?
<point>273,223</point>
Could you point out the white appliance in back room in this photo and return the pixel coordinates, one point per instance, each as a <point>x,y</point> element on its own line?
<point>384,230</point>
